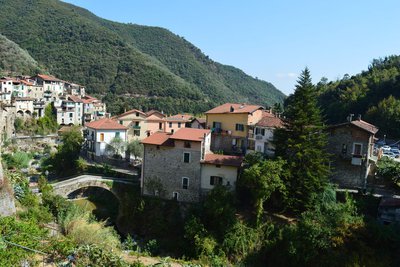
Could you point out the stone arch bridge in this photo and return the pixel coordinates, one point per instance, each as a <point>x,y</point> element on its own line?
<point>66,187</point>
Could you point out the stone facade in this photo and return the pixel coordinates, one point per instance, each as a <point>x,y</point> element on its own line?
<point>228,144</point>
<point>164,169</point>
<point>7,205</point>
<point>352,155</point>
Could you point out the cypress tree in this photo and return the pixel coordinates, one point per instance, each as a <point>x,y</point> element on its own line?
<point>302,143</point>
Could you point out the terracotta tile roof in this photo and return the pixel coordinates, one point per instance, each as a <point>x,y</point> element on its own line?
<point>200,120</point>
<point>105,124</point>
<point>190,134</point>
<point>48,78</point>
<point>88,99</point>
<point>234,108</point>
<point>372,129</point>
<point>366,126</point>
<point>158,138</point>
<point>26,82</point>
<point>75,99</point>
<point>24,99</point>
<point>269,120</point>
<point>130,112</point>
<point>179,117</point>
<point>224,160</point>
<point>151,112</point>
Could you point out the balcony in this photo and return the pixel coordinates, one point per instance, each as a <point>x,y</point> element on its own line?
<point>259,137</point>
<point>356,160</point>
<point>136,127</point>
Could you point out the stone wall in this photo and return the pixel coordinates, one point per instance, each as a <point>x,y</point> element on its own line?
<point>7,119</point>
<point>224,142</point>
<point>7,205</point>
<point>163,170</point>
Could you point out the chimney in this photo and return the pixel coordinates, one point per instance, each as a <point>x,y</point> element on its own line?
<point>350,117</point>
<point>359,117</point>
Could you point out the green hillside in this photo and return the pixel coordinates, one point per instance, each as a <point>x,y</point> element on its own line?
<point>14,60</point>
<point>374,94</point>
<point>151,63</point>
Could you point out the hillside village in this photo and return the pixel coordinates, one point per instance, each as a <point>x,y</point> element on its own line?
<point>184,156</point>
<point>185,159</point>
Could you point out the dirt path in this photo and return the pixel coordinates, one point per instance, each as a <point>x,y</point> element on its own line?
<point>148,260</point>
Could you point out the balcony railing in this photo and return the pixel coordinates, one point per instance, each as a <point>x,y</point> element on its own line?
<point>259,137</point>
<point>136,127</point>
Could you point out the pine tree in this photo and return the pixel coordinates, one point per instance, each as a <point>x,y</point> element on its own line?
<point>302,143</point>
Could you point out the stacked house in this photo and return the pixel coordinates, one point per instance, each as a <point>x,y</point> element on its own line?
<point>30,96</point>
<point>184,161</point>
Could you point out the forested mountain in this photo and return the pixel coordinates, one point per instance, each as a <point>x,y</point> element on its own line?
<point>14,60</point>
<point>374,94</point>
<point>126,59</point>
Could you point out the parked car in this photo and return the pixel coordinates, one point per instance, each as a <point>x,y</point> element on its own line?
<point>388,154</point>
<point>395,150</point>
<point>386,148</point>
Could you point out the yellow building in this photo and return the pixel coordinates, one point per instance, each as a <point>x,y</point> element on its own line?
<point>230,125</point>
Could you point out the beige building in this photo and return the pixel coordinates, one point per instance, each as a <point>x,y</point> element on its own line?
<point>24,107</point>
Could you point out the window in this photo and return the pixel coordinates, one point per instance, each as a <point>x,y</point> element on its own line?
<point>101,137</point>
<point>137,114</point>
<point>239,127</point>
<point>121,122</point>
<point>215,180</point>
<point>117,134</point>
<point>160,126</point>
<point>136,123</point>
<point>136,132</point>
<point>179,125</point>
<point>217,125</point>
<point>170,125</point>
<point>187,144</point>
<point>70,115</point>
<point>218,166</point>
<point>262,131</point>
<point>175,195</point>
<point>357,149</point>
<point>186,157</point>
<point>185,183</point>
<point>172,130</point>
<point>344,149</point>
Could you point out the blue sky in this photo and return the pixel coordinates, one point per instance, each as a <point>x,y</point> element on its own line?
<point>271,39</point>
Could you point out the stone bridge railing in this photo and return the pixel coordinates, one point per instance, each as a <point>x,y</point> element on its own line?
<point>66,187</point>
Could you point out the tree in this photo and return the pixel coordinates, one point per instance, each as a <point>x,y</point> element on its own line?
<point>389,169</point>
<point>387,115</point>
<point>135,148</point>
<point>116,147</point>
<point>263,179</point>
<point>68,152</point>
<point>302,144</point>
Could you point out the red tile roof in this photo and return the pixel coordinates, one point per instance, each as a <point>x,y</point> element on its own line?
<point>151,112</point>
<point>130,112</point>
<point>24,99</point>
<point>363,125</point>
<point>269,120</point>
<point>234,108</point>
<point>158,138</point>
<point>224,160</point>
<point>105,124</point>
<point>48,78</point>
<point>190,134</point>
<point>88,99</point>
<point>179,117</point>
<point>76,99</point>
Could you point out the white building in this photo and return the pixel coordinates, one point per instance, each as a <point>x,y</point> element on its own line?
<point>53,87</point>
<point>93,109</point>
<point>71,111</point>
<point>101,132</point>
<point>263,134</point>
<point>219,170</point>
<point>6,89</point>
<point>24,107</point>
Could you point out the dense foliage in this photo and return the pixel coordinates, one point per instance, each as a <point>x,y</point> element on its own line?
<point>374,93</point>
<point>105,56</point>
<point>389,169</point>
<point>14,60</point>
<point>44,125</point>
<point>302,143</point>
